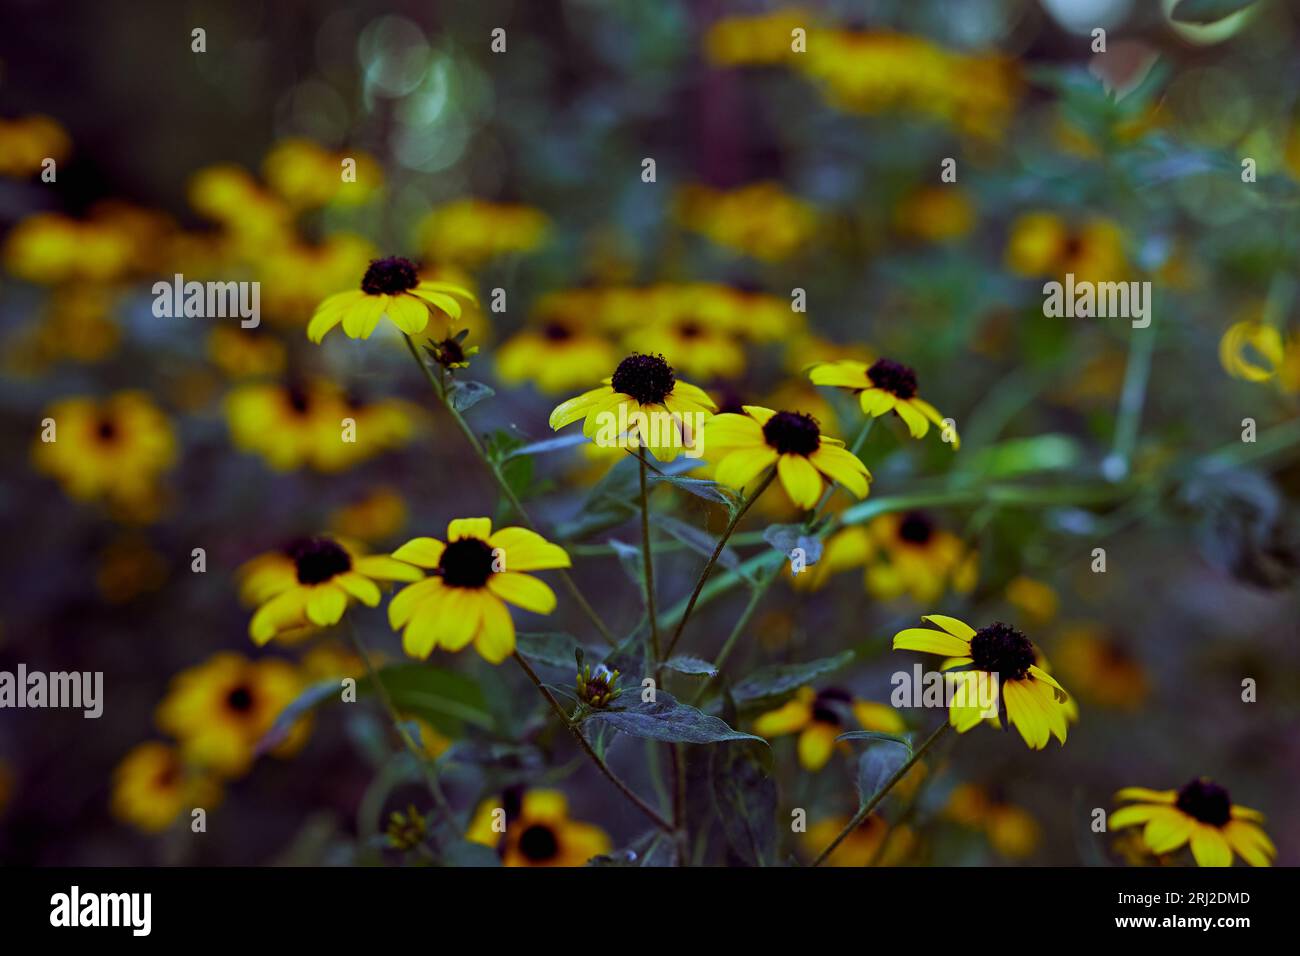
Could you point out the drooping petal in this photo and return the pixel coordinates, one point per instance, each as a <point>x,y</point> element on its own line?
<point>842,466</point>
<point>800,480</point>
<point>360,587</point>
<point>408,314</point>
<point>816,744</point>
<point>496,635</point>
<point>916,423</point>
<point>326,604</point>
<point>405,601</point>
<point>575,408</point>
<point>522,590</point>
<point>284,611</point>
<point>741,467</point>
<point>1210,847</point>
<point>360,319</point>
<point>422,552</point>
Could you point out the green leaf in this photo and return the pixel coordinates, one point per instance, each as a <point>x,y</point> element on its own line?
<point>745,800</point>
<point>902,739</point>
<point>698,541</point>
<point>876,766</point>
<point>1207,11</point>
<point>1024,455</point>
<point>465,395</point>
<point>446,699</point>
<point>781,679</point>
<point>666,718</point>
<point>549,648</point>
<point>548,445</point>
<point>702,488</point>
<point>695,666</point>
<point>632,561</point>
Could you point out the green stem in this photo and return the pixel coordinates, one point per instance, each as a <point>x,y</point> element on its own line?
<point>713,560</point>
<point>1136,376</point>
<point>755,596</point>
<point>647,559</point>
<point>603,767</point>
<point>504,485</point>
<point>416,751</point>
<point>880,794</point>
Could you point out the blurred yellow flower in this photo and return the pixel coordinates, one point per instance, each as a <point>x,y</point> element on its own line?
<point>49,248</point>
<point>469,232</point>
<point>1011,830</point>
<point>1043,244</point>
<point>1102,669</point>
<point>379,514</point>
<point>534,829</point>
<point>873,843</point>
<point>27,141</point>
<point>760,219</point>
<point>914,556</point>
<point>935,214</point>
<point>112,450</point>
<point>152,787</point>
<point>766,39</point>
<point>819,717</point>
<point>561,347</point>
<point>307,176</point>
<point>1200,813</point>
<point>219,711</point>
<point>245,353</point>
<point>1036,600</point>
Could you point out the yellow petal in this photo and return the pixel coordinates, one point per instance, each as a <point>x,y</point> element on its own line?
<point>326,604</point>
<point>408,314</point>
<point>405,601</point>
<point>930,641</point>
<point>282,612</point>
<point>360,587</point>
<point>480,528</point>
<point>360,319</point>
<point>575,408</point>
<point>1210,847</point>
<point>741,467</point>
<point>816,744</point>
<point>496,634</point>
<point>950,624</point>
<point>916,423</point>
<point>525,550</point>
<point>422,552</point>
<point>791,716</point>
<point>800,480</point>
<point>522,590</point>
<point>842,466</point>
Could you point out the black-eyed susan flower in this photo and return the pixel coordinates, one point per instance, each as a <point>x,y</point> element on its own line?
<point>112,450</point>
<point>743,446</point>
<point>694,325</point>
<point>819,717</point>
<point>1043,244</point>
<point>1011,830</point>
<point>538,831</point>
<point>643,404</point>
<point>561,347</point>
<point>872,843</point>
<point>1200,813</point>
<point>915,557</point>
<point>1101,668</point>
<point>312,583</point>
<point>885,386</point>
<point>390,287</point>
<point>285,423</point>
<point>1003,662</point>
<point>469,232</point>
<point>220,710</point>
<point>471,579</point>
<point>152,786</point>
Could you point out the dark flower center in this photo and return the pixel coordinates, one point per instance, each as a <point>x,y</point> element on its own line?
<point>240,700</point>
<point>827,705</point>
<point>556,332</point>
<point>466,563</point>
<point>318,559</point>
<point>915,528</point>
<point>1205,801</point>
<point>297,398</point>
<point>893,377</point>
<point>450,352</point>
<point>690,330</point>
<point>389,276</point>
<point>792,433</point>
<point>647,378</point>
<point>538,843</point>
<point>1001,649</point>
<point>106,429</point>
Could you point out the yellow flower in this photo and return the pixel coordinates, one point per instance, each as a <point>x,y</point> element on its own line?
<point>245,353</point>
<point>315,586</point>
<point>701,346</point>
<point>27,141</point>
<point>538,831</point>
<point>222,708</point>
<point>745,445</point>
<point>112,450</point>
<point>306,175</point>
<point>390,287</point>
<point>818,718</point>
<point>881,387</point>
<point>1029,696</point>
<point>297,276</point>
<point>1011,830</point>
<point>376,516</point>
<point>1042,244</point>
<point>471,579</point>
<point>1200,813</point>
<point>1251,350</point>
<point>918,559</point>
<point>759,219</point>
<point>760,40</point>
<point>560,348</point>
<point>288,424</point>
<point>1034,599</point>
<point>1100,668</point>
<point>645,392</point>
<point>469,232</point>
<point>152,787</point>
<point>873,843</point>
<point>255,221</point>
<point>49,248</point>
<point>935,214</point>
